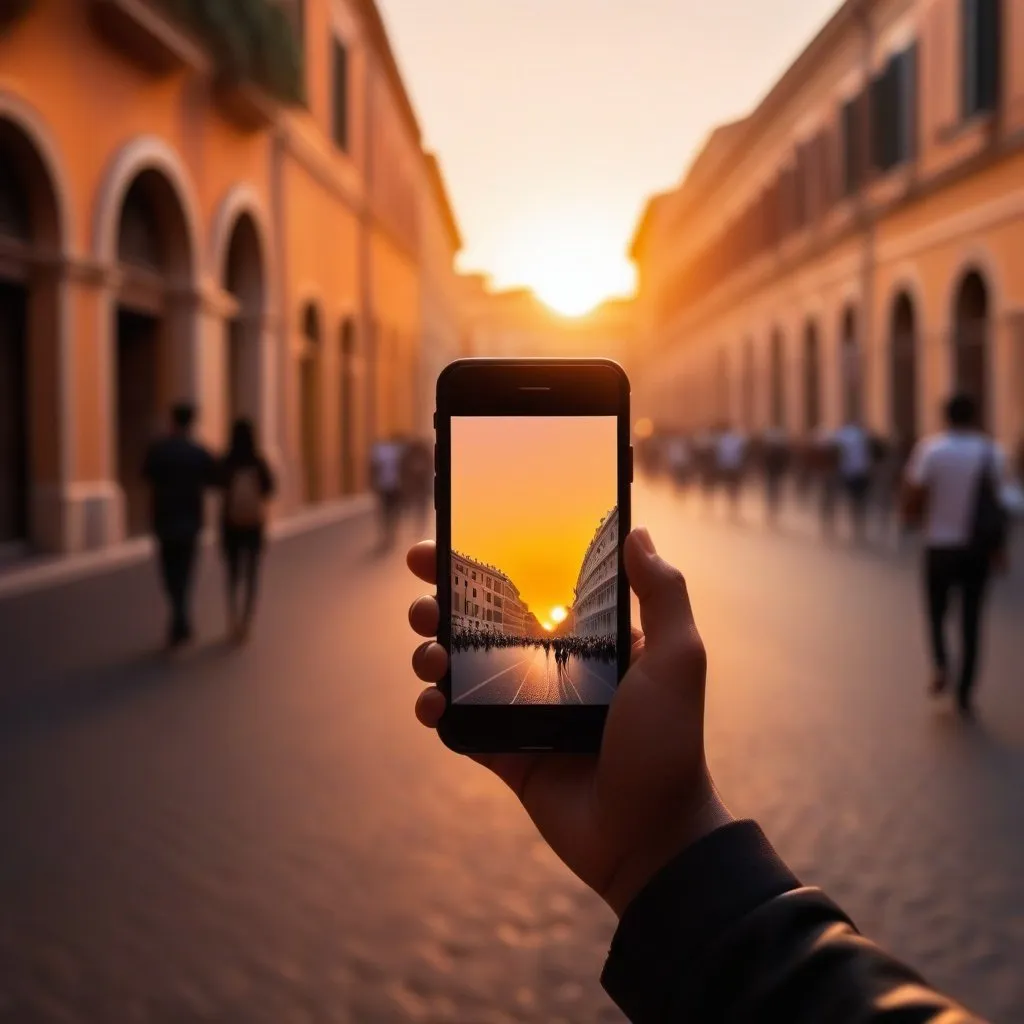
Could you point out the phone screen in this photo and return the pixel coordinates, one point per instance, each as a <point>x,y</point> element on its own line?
<point>535,560</point>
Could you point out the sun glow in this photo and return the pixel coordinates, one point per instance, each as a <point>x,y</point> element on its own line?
<point>548,627</point>
<point>572,269</point>
<point>559,615</point>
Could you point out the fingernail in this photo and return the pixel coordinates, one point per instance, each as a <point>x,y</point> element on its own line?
<point>643,538</point>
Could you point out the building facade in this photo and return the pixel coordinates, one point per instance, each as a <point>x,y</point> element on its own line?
<point>853,248</point>
<point>441,292</point>
<point>514,324</point>
<point>244,234</point>
<point>484,598</point>
<point>594,608</point>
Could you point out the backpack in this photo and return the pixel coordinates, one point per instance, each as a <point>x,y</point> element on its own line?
<point>990,525</point>
<point>244,505</point>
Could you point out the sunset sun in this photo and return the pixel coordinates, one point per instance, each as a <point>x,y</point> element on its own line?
<point>558,615</point>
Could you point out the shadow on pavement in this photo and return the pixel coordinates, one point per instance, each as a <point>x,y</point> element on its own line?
<point>67,701</point>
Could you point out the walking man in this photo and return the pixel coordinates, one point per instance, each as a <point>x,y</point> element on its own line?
<point>952,489</point>
<point>178,471</point>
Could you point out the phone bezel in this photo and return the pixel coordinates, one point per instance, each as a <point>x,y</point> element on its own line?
<point>528,387</point>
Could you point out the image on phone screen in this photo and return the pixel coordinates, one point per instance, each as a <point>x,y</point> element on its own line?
<point>534,564</point>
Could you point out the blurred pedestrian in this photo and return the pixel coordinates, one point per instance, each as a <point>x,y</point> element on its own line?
<point>248,487</point>
<point>730,452</point>
<point>386,478</point>
<point>953,491</point>
<point>853,467</point>
<point>679,459</point>
<point>824,458</point>
<point>178,470</point>
<point>775,461</point>
<point>417,480</point>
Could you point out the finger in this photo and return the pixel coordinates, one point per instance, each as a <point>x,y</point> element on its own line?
<point>430,705</point>
<point>422,559</point>
<point>424,615</point>
<point>665,612</point>
<point>430,662</point>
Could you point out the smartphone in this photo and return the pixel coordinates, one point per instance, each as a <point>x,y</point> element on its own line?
<point>532,490</point>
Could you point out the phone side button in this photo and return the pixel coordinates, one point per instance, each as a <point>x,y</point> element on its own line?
<point>630,463</point>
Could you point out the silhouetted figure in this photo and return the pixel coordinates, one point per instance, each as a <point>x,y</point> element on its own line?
<point>178,470</point>
<point>386,477</point>
<point>775,460</point>
<point>417,480</point>
<point>952,491</point>
<point>248,486</point>
<point>730,452</point>
<point>853,467</point>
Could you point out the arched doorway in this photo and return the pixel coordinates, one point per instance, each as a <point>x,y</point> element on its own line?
<point>30,408</point>
<point>309,403</point>
<point>903,372</point>
<point>812,378</point>
<point>778,380</point>
<point>347,424</point>
<point>155,262</point>
<point>972,327</point>
<point>850,367</point>
<point>748,388</point>
<point>244,280</point>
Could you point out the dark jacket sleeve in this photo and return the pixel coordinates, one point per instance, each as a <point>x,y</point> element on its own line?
<point>268,485</point>
<point>726,933</point>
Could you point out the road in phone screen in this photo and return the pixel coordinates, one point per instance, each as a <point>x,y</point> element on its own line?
<point>534,566</point>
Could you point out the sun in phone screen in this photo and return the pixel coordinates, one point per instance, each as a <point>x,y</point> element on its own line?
<point>534,565</point>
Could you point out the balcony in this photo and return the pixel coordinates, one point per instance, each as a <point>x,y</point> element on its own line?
<point>245,105</point>
<point>144,34</point>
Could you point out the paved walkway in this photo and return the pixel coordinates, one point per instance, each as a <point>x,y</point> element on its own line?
<point>267,835</point>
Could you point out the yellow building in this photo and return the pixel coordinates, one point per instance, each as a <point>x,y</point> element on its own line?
<point>182,218</point>
<point>855,246</point>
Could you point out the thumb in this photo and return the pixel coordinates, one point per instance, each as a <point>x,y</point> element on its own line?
<point>665,612</point>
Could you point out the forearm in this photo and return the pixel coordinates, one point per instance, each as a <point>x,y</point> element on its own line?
<point>726,933</point>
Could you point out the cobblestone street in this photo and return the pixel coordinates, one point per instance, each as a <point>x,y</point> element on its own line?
<point>267,836</point>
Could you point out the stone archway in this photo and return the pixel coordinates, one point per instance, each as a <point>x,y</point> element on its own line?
<point>972,328</point>
<point>309,358</point>
<point>153,328</point>
<point>903,372</point>
<point>850,367</point>
<point>31,351</point>
<point>777,380</point>
<point>347,400</point>
<point>245,281</point>
<point>812,378</point>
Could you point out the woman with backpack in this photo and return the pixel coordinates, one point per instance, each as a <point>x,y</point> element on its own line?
<point>248,486</point>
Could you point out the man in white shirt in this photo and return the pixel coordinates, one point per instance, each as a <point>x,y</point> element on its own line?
<point>942,488</point>
<point>853,454</point>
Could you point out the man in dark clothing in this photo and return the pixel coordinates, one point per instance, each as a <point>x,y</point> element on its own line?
<point>178,471</point>
<point>713,926</point>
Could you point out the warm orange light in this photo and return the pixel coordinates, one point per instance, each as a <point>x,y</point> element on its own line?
<point>644,429</point>
<point>559,615</point>
<point>573,269</point>
<point>548,626</point>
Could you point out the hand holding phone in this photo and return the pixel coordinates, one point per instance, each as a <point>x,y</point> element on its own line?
<point>614,818</point>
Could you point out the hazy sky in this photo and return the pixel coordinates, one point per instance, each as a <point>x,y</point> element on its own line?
<point>528,494</point>
<point>554,119</point>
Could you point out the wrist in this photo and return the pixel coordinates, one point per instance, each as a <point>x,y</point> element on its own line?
<point>638,867</point>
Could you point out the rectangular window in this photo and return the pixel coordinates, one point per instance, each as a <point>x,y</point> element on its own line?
<point>894,111</point>
<point>981,65</point>
<point>488,598</point>
<point>474,577</point>
<point>474,593</point>
<point>340,123</point>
